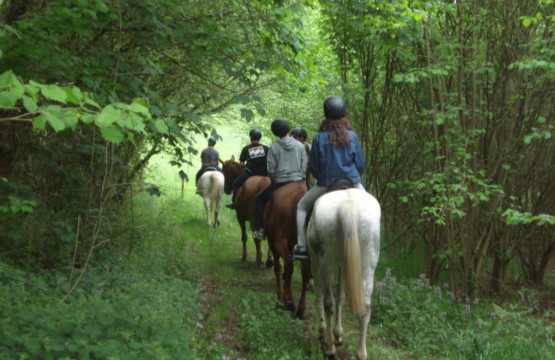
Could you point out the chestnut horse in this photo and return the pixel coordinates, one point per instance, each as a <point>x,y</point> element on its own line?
<point>244,203</point>
<point>281,230</point>
<point>344,233</point>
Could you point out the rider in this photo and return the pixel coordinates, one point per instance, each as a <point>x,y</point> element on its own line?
<point>286,163</point>
<point>209,158</point>
<point>254,157</point>
<point>336,154</point>
<point>300,134</point>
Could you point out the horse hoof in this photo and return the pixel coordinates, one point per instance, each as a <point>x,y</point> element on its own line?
<point>330,357</point>
<point>269,264</point>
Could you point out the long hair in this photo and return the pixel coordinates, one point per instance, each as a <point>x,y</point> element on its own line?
<point>338,130</point>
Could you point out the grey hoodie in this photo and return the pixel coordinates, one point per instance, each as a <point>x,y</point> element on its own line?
<point>287,160</point>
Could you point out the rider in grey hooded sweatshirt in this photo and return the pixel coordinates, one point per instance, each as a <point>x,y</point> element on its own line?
<point>287,162</point>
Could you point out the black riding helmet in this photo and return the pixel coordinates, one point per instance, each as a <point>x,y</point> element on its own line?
<point>280,127</point>
<point>211,141</point>
<point>334,108</point>
<point>299,132</point>
<point>255,134</point>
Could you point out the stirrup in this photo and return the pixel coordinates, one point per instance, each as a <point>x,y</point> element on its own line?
<point>300,254</point>
<point>259,234</point>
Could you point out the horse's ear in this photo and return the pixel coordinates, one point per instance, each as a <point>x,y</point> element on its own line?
<point>232,157</point>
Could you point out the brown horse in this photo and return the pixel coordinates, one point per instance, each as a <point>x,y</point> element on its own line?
<point>281,229</point>
<point>244,203</point>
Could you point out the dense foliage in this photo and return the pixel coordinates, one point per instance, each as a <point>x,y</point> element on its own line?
<point>455,112</point>
<point>89,92</point>
<point>454,104</point>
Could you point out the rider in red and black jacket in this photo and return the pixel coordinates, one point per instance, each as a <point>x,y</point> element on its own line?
<point>254,157</point>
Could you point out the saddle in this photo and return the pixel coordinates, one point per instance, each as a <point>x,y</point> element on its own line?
<point>209,168</point>
<point>341,184</point>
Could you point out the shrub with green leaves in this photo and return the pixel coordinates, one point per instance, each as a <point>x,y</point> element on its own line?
<point>428,319</point>
<point>127,314</point>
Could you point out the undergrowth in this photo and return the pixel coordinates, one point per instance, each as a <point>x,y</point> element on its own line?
<point>428,320</point>
<point>114,313</point>
<point>148,300</point>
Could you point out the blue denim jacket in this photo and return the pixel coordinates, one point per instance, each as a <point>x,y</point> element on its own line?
<point>328,162</point>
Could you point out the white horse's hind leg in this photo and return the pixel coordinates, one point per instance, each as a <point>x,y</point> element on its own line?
<point>329,307</point>
<point>207,209</point>
<point>340,299</point>
<point>364,318</point>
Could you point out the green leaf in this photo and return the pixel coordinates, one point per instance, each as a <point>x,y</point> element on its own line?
<point>54,92</point>
<point>88,118</point>
<point>9,81</point>
<point>91,102</point>
<point>247,114</point>
<point>71,95</point>
<point>242,99</point>
<point>108,116</point>
<point>140,109</point>
<point>77,93</point>
<point>112,134</point>
<point>54,117</point>
<point>161,126</point>
<point>71,119</point>
<point>7,99</point>
<point>29,104</point>
<point>39,122</point>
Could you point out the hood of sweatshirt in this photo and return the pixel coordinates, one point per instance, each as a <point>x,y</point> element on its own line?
<point>287,143</point>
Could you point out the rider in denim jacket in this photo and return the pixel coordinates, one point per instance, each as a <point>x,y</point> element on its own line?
<point>336,154</point>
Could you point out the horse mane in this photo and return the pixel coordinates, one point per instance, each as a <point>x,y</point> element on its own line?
<point>231,170</point>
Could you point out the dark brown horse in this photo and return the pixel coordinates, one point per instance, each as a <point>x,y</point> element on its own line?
<point>244,203</point>
<point>281,229</point>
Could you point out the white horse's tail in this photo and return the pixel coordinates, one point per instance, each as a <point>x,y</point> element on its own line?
<point>214,185</point>
<point>351,269</point>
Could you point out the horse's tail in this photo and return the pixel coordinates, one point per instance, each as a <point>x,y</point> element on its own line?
<point>351,269</point>
<point>214,185</point>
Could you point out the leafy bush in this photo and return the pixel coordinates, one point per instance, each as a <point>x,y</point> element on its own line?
<point>125,315</point>
<point>428,320</point>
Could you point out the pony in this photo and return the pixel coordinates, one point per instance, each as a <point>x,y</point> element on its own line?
<point>344,233</point>
<point>244,204</point>
<point>281,230</point>
<point>211,187</point>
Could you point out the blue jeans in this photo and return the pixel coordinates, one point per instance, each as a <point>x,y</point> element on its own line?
<point>237,183</point>
<point>260,201</point>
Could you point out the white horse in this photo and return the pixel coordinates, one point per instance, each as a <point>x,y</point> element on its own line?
<point>211,187</point>
<point>344,233</point>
